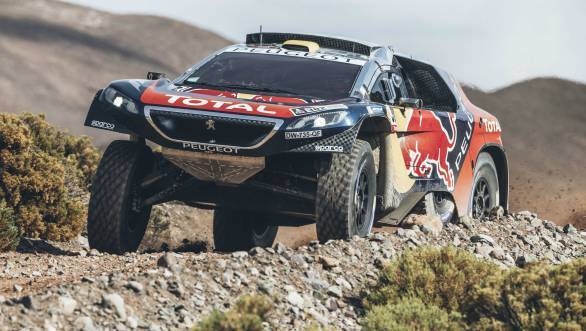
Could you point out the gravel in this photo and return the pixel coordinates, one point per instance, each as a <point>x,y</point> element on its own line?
<point>316,283</point>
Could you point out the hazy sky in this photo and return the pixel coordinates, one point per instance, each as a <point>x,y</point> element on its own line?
<point>487,43</point>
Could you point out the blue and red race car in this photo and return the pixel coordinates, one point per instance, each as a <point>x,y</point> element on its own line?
<point>291,129</point>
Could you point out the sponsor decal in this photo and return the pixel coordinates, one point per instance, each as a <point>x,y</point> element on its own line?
<point>303,134</point>
<point>465,139</point>
<point>245,96</point>
<point>218,104</point>
<point>285,52</point>
<point>102,125</point>
<point>202,100</point>
<point>210,148</point>
<point>441,158</point>
<point>339,149</point>
<point>491,125</point>
<point>299,111</point>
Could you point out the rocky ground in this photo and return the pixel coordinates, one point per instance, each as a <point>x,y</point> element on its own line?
<point>67,286</point>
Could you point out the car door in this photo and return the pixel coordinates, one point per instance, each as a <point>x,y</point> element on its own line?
<point>427,133</point>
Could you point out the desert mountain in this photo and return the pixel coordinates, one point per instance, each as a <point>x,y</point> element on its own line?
<point>543,122</point>
<point>54,56</point>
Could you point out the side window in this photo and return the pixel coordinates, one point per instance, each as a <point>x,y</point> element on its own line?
<point>397,86</point>
<point>424,82</point>
<point>381,91</point>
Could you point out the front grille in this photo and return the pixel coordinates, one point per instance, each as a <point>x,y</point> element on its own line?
<point>208,129</point>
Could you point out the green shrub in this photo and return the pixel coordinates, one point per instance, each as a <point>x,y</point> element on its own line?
<point>9,233</point>
<point>538,297</point>
<point>63,146</point>
<point>441,277</point>
<point>248,314</point>
<point>427,285</point>
<point>44,176</point>
<point>410,314</point>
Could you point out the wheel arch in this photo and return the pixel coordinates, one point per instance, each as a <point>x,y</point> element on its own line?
<point>371,127</point>
<point>501,163</point>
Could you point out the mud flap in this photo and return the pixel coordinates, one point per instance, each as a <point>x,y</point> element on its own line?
<point>100,117</point>
<point>395,217</point>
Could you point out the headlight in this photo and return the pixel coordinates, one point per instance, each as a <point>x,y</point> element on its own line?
<point>318,121</point>
<point>118,100</point>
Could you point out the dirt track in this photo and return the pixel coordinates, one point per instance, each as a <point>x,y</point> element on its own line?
<point>39,264</point>
<point>64,285</point>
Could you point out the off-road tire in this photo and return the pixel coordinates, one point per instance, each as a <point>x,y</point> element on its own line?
<point>485,171</point>
<point>335,196</point>
<point>241,230</point>
<point>113,226</point>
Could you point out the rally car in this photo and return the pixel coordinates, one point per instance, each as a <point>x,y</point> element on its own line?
<point>290,129</point>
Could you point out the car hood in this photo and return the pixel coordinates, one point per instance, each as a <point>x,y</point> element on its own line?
<point>165,93</point>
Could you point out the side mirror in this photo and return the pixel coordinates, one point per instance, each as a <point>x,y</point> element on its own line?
<point>411,102</point>
<point>151,75</point>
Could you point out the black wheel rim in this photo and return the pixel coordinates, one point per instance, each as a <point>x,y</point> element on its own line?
<point>361,198</point>
<point>481,199</point>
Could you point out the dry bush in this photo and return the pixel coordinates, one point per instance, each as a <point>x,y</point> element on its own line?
<point>65,147</point>
<point>537,297</point>
<point>410,314</point>
<point>9,233</point>
<point>453,287</point>
<point>441,277</point>
<point>44,174</point>
<point>248,314</point>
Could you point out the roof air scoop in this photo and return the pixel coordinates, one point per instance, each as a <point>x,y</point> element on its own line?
<point>301,45</point>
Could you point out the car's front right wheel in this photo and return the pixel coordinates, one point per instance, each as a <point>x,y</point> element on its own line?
<point>117,220</point>
<point>345,198</point>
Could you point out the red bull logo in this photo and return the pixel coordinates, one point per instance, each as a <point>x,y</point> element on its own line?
<point>429,155</point>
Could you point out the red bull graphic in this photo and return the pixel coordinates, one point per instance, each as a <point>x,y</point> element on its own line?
<point>435,143</point>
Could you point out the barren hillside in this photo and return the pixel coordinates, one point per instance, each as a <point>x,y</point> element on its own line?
<point>544,132</point>
<point>54,56</point>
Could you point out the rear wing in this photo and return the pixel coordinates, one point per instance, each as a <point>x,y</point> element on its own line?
<point>326,42</point>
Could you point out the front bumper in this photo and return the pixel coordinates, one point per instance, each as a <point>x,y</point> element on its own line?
<point>217,132</point>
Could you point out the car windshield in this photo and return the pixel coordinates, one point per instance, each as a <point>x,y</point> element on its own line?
<point>310,78</point>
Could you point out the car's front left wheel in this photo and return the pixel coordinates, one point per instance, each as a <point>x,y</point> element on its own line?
<point>345,198</point>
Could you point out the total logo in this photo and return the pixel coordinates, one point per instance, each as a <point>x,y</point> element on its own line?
<point>210,148</point>
<point>491,125</point>
<point>218,104</point>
